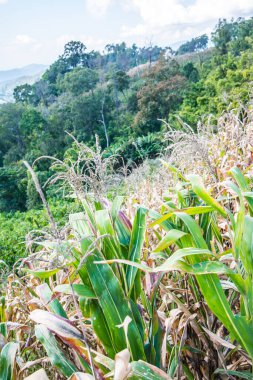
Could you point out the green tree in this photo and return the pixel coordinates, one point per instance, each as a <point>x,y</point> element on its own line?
<point>11,141</point>
<point>223,34</point>
<point>161,94</point>
<point>12,188</point>
<point>194,45</point>
<point>78,81</point>
<point>25,93</point>
<point>122,81</point>
<point>75,54</point>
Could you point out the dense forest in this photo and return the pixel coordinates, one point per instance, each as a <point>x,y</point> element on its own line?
<point>127,96</point>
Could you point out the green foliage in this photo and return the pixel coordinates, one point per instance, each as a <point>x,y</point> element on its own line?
<point>139,149</point>
<point>161,94</point>
<point>233,36</point>
<point>78,81</point>
<point>25,93</point>
<point>15,226</point>
<point>12,188</point>
<point>194,45</point>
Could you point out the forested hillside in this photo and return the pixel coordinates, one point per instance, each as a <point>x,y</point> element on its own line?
<point>126,96</point>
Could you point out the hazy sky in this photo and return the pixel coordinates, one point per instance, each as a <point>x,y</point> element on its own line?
<point>35,31</point>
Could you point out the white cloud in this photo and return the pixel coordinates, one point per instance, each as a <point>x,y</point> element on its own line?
<point>98,8</point>
<point>170,21</point>
<point>24,39</point>
<point>167,12</point>
<point>3,1</point>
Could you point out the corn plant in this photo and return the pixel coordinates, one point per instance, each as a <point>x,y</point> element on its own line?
<point>211,241</point>
<point>107,296</point>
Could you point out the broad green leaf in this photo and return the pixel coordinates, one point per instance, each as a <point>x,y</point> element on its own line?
<point>136,244</point>
<point>214,295</point>
<point>101,328</point>
<point>194,229</point>
<point>239,374</point>
<point>51,303</point>
<point>111,247</point>
<point>171,237</point>
<point>115,306</point>
<point>43,274</point>
<point>3,318</point>
<point>199,188</point>
<point>243,185</point>
<point>145,371</point>
<point>205,267</point>
<point>123,227</point>
<point>246,244</point>
<point>7,361</point>
<point>78,289</point>
<point>189,211</point>
<point>56,356</point>
<point>172,263</point>
<point>173,169</point>
<point>116,205</point>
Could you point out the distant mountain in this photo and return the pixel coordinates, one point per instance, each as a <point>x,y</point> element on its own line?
<point>9,79</point>
<point>29,70</point>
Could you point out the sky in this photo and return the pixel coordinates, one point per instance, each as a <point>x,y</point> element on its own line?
<point>35,31</point>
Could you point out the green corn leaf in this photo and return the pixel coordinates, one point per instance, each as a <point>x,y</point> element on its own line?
<point>172,263</point>
<point>80,225</point>
<point>123,228</point>
<point>199,188</point>
<point>136,244</point>
<point>171,237</point>
<point>3,329</point>
<point>116,205</point>
<point>7,361</point>
<point>145,371</point>
<point>43,274</point>
<point>78,289</point>
<point>211,288</point>
<point>205,267</point>
<point>246,246</point>
<point>240,179</point>
<point>84,304</point>
<point>54,352</point>
<point>239,374</point>
<point>173,169</point>
<point>115,306</point>
<point>101,328</point>
<point>243,185</point>
<point>194,229</point>
<point>189,211</point>
<point>51,303</point>
<point>88,211</point>
<point>111,247</point>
